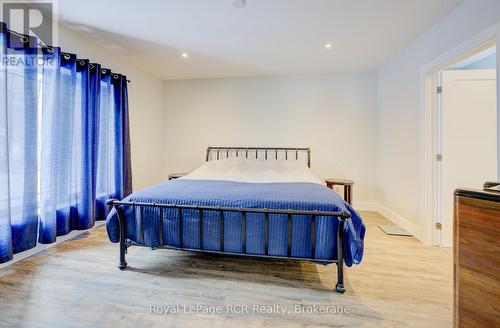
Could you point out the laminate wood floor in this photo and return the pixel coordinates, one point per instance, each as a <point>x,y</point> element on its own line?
<point>400,283</point>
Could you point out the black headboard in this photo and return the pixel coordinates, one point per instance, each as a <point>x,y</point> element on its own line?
<point>287,153</point>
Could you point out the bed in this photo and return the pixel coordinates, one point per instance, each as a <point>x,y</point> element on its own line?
<point>246,201</point>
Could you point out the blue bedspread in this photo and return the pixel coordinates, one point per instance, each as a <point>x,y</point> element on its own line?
<point>297,196</point>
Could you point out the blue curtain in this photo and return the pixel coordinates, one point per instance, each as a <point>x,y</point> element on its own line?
<point>86,151</point>
<point>64,144</point>
<point>114,179</point>
<point>18,145</point>
<point>59,114</point>
<point>126,164</point>
<point>68,140</point>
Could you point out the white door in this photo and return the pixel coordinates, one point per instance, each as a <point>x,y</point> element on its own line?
<point>468,138</point>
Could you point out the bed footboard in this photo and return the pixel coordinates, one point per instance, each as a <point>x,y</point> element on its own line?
<point>341,216</point>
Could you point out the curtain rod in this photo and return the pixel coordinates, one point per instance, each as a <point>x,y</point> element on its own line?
<point>38,42</point>
<point>67,53</point>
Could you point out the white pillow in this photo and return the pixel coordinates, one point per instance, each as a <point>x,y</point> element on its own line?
<point>254,170</point>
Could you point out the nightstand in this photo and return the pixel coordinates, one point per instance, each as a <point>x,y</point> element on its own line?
<point>176,175</point>
<point>347,184</point>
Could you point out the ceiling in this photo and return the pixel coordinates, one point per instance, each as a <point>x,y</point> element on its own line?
<point>266,37</point>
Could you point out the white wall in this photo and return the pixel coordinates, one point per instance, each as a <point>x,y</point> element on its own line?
<point>400,89</point>
<point>145,102</point>
<point>333,114</point>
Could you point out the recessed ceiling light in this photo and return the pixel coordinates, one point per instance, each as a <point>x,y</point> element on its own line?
<point>328,45</point>
<point>239,3</point>
<point>184,55</point>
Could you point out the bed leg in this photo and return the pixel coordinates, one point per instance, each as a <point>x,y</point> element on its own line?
<point>340,257</point>
<point>123,247</point>
<point>339,287</point>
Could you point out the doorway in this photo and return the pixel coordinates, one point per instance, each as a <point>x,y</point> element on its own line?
<point>466,133</point>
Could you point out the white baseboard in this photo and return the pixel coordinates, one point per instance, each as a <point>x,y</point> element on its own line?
<point>392,216</point>
<point>41,247</point>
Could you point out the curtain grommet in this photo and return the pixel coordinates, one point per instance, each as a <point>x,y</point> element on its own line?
<point>24,39</point>
<point>50,50</point>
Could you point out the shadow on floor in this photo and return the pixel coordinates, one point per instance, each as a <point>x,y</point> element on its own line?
<point>297,274</point>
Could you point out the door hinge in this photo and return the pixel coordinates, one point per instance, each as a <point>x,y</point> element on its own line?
<point>439,90</point>
<point>438,225</point>
<point>439,157</point>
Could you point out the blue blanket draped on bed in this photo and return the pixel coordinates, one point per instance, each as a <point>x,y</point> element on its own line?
<point>297,196</point>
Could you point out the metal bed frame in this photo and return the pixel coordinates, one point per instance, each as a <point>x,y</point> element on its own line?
<point>340,216</point>
<point>268,151</point>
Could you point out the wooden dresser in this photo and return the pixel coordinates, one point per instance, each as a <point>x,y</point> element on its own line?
<point>476,258</point>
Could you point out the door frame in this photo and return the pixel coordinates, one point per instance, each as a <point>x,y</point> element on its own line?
<point>429,125</point>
